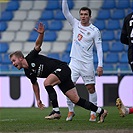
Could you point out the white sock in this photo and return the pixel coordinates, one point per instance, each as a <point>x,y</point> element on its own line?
<point>70,105</point>
<point>98,110</point>
<point>93,99</point>
<point>56,109</point>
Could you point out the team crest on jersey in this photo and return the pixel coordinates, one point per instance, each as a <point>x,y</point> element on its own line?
<point>88,33</point>
<point>33,64</point>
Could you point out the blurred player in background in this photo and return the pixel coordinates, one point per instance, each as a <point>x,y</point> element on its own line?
<point>85,36</point>
<point>56,72</point>
<point>127,38</point>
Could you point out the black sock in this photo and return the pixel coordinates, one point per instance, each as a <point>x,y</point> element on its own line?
<point>87,105</point>
<point>52,96</point>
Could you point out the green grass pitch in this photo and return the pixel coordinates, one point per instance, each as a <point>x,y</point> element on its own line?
<point>32,120</point>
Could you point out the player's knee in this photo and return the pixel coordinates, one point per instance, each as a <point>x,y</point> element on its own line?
<point>46,83</point>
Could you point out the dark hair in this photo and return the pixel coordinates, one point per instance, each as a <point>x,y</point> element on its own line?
<point>85,8</point>
<point>17,53</point>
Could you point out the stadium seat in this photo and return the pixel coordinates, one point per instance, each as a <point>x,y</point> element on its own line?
<point>123,67</point>
<point>3,26</point>
<point>104,14</point>
<point>95,57</point>
<point>108,4</point>
<point>1,58</point>
<point>122,4</point>
<point>58,47</point>
<point>28,25</point>
<point>12,6</point>
<point>26,5</point>
<point>52,5</point>
<point>100,24</point>
<point>117,46</point>
<point>39,5</point>
<point>33,36</point>
<point>20,15</point>
<point>118,14</point>
<point>47,15</point>
<point>55,25</point>
<point>7,36</point>
<point>123,58</point>
<point>4,47</point>
<point>117,35</point>
<point>6,59</point>
<point>54,55</point>
<point>105,46</point>
<point>6,16</point>
<point>108,67</point>
<point>59,15</point>
<point>68,47</point>
<point>113,25</point>
<point>112,57</point>
<point>14,25</point>
<point>108,35</point>
<point>65,57</point>
<point>4,67</point>
<point>50,36</point>
<point>34,15</point>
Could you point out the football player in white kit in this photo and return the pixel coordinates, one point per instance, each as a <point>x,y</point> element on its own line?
<point>85,36</point>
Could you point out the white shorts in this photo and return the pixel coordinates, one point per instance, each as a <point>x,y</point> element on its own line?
<point>85,70</point>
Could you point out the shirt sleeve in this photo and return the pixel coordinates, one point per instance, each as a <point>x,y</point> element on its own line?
<point>98,44</point>
<point>67,13</point>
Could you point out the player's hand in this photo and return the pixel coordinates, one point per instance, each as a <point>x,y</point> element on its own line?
<point>99,71</point>
<point>40,29</point>
<point>40,105</point>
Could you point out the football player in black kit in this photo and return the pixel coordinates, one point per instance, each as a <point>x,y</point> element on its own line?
<point>56,72</point>
<point>127,38</point>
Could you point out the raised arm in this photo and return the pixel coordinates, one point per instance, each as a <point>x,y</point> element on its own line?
<point>66,12</point>
<point>40,37</point>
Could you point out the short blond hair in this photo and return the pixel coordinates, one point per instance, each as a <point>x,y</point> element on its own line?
<point>17,53</point>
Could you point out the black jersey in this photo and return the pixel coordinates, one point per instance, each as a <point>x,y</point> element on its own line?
<point>127,35</point>
<point>40,65</point>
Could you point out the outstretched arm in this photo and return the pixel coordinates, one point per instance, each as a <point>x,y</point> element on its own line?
<point>39,40</point>
<point>66,12</point>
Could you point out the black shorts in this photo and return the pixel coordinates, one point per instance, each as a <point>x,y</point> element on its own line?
<point>63,72</point>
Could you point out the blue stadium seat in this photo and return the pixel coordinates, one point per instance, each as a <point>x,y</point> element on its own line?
<point>4,67</point>
<point>47,15</point>
<point>54,55</point>
<point>123,67</point>
<point>108,35</point>
<point>6,16</point>
<point>68,47</point>
<point>65,57</point>
<point>95,57</point>
<point>4,47</point>
<point>104,14</point>
<point>52,5</point>
<point>33,36</point>
<point>59,15</point>
<point>113,24</point>
<point>6,59</point>
<point>100,24</point>
<point>122,4</point>
<point>117,35</point>
<point>108,67</point>
<point>108,4</point>
<point>50,36</point>
<point>55,25</point>
<point>3,26</point>
<point>117,46</point>
<point>123,58</point>
<point>118,14</point>
<point>12,6</point>
<point>1,58</point>
<point>112,57</point>
<point>105,46</point>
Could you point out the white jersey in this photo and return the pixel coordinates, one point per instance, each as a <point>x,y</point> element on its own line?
<point>84,38</point>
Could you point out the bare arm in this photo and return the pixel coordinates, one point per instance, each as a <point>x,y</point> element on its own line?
<point>37,95</point>
<point>39,40</point>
